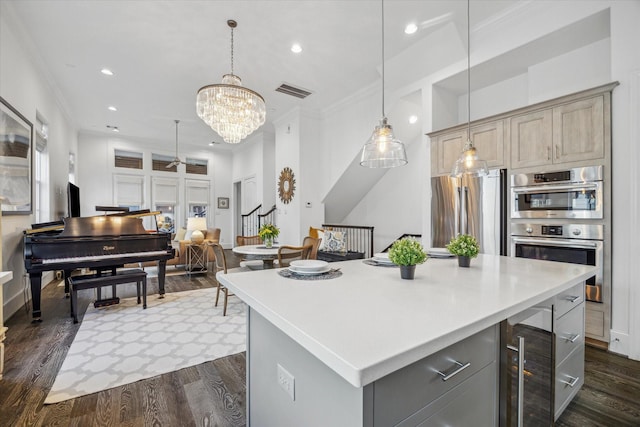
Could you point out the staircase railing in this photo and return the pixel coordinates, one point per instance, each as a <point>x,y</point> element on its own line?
<point>416,236</point>
<point>250,222</point>
<point>359,237</point>
<point>268,217</point>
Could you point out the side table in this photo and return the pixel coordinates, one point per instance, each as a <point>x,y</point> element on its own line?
<point>5,276</point>
<point>197,258</point>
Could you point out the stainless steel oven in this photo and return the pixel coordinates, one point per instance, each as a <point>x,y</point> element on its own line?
<point>572,193</point>
<point>573,243</point>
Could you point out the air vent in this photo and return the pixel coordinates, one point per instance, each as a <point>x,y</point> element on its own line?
<point>293,91</point>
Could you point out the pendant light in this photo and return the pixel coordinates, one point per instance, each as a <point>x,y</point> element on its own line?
<point>383,150</point>
<point>468,163</point>
<point>231,110</point>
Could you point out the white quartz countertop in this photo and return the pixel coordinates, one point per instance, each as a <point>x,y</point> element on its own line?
<point>369,322</point>
<point>5,276</point>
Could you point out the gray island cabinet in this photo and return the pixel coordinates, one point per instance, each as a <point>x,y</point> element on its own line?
<point>370,349</point>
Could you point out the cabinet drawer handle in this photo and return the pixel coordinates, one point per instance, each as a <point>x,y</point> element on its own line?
<point>572,338</point>
<point>572,298</point>
<point>573,382</point>
<point>460,367</point>
<point>557,152</point>
<point>548,153</point>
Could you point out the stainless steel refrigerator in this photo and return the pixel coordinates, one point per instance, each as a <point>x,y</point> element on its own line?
<point>476,206</point>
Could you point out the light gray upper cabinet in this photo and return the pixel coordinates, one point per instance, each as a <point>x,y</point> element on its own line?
<point>487,138</point>
<point>567,133</point>
<point>531,138</point>
<point>573,129</point>
<point>578,130</point>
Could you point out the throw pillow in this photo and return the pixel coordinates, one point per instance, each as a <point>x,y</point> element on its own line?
<point>334,241</point>
<point>314,232</point>
<point>180,234</point>
<point>321,238</point>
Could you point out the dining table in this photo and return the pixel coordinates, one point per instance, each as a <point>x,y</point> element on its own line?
<point>258,252</point>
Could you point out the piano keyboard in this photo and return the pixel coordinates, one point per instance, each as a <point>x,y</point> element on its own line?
<point>102,257</point>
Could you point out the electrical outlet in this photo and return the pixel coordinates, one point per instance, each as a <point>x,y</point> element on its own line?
<point>286,381</point>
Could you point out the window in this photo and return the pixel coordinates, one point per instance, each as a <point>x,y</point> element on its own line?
<point>197,198</point>
<point>164,192</point>
<point>128,159</point>
<point>41,172</point>
<point>197,166</point>
<point>160,163</point>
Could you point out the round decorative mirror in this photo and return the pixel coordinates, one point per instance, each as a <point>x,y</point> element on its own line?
<point>286,185</point>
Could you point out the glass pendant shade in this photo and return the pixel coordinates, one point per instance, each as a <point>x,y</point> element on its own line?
<point>231,110</point>
<point>383,150</point>
<point>469,164</point>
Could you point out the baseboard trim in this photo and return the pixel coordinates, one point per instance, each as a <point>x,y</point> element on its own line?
<point>596,343</point>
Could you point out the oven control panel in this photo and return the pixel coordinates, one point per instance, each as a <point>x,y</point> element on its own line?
<point>552,230</point>
<point>565,231</point>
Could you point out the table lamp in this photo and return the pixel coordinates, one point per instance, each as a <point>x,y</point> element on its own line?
<point>195,225</point>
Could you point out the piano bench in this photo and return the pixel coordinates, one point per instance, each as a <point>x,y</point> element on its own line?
<point>93,281</point>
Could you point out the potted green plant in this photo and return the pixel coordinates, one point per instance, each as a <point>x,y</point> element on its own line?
<point>465,246</point>
<point>268,232</point>
<point>407,253</point>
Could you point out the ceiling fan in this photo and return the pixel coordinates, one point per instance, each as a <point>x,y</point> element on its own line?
<point>176,161</point>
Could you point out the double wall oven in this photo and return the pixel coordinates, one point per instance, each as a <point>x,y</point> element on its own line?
<point>558,216</point>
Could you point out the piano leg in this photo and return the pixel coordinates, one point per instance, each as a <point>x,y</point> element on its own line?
<point>67,274</point>
<point>36,288</point>
<point>162,269</point>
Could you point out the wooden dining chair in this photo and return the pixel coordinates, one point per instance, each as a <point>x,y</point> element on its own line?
<point>220,264</point>
<point>315,243</point>
<point>250,240</point>
<point>286,254</point>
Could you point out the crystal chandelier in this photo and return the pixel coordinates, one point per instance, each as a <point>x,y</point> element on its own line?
<point>469,163</point>
<point>231,110</point>
<point>382,149</point>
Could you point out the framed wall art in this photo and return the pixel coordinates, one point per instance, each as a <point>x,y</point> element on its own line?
<point>223,203</point>
<point>16,143</point>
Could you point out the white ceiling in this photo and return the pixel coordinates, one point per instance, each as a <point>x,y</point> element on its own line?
<point>162,52</point>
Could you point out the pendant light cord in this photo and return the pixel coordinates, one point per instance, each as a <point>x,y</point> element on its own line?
<point>382,11</point>
<point>232,51</point>
<point>177,121</point>
<point>468,74</point>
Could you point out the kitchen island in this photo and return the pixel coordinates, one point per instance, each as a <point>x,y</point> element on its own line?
<point>316,349</point>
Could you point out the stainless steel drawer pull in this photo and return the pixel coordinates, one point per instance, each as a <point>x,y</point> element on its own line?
<point>573,382</point>
<point>573,298</point>
<point>460,367</point>
<point>572,338</point>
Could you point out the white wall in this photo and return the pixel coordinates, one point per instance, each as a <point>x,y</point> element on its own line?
<point>96,170</point>
<point>394,206</point>
<point>25,85</point>
<point>288,155</point>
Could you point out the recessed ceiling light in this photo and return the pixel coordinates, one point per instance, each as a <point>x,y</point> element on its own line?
<point>112,108</point>
<point>413,119</point>
<point>410,28</point>
<point>296,48</point>
<point>113,128</point>
<point>211,143</point>
<point>106,72</point>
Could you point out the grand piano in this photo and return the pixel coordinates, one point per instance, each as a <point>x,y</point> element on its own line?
<point>99,243</point>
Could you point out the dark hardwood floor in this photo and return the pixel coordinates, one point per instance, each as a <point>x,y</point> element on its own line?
<point>213,393</point>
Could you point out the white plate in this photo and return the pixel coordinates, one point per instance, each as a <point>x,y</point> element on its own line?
<point>383,261</point>
<point>308,265</point>
<point>310,273</point>
<point>439,253</point>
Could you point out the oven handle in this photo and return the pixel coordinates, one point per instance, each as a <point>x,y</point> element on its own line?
<point>564,243</point>
<point>550,188</point>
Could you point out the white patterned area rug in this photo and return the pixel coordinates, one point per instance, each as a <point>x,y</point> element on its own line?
<point>123,343</point>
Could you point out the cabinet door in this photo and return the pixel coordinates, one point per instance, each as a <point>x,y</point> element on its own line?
<point>578,130</point>
<point>447,151</point>
<point>488,139</point>
<point>531,137</point>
